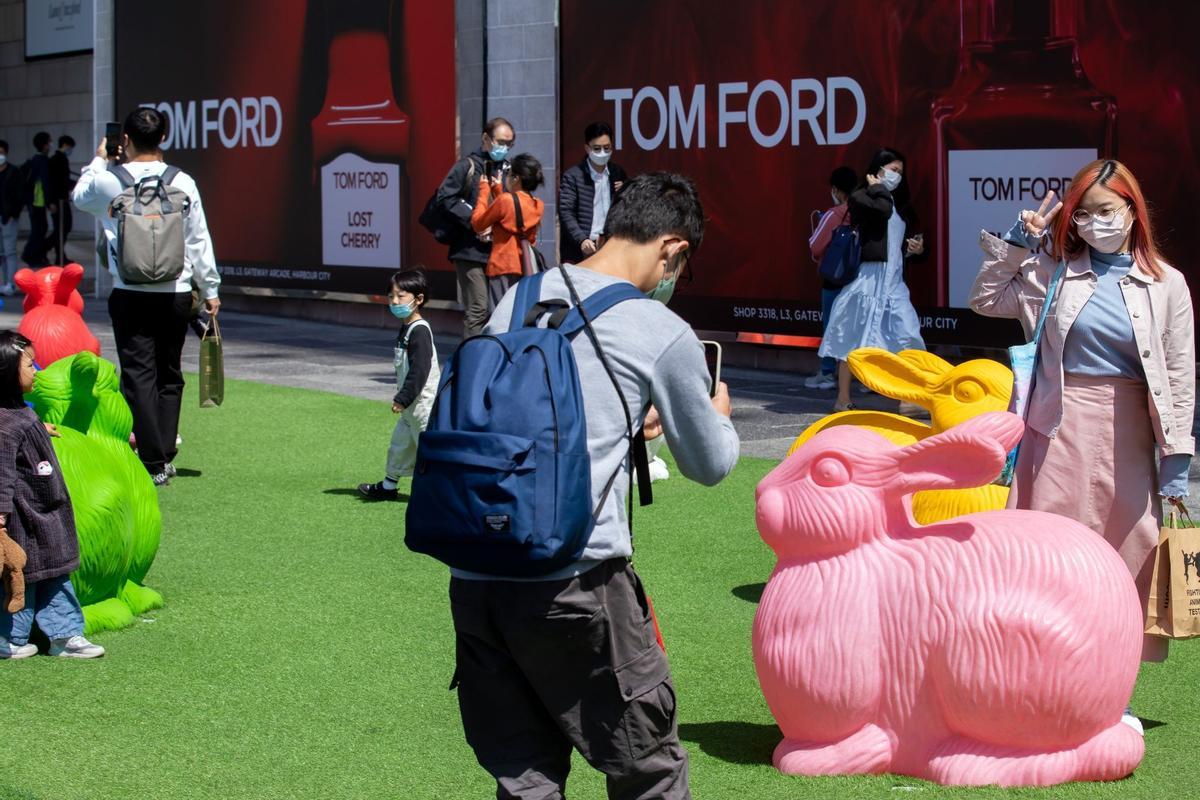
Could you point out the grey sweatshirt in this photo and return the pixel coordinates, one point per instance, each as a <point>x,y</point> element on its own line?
<point>658,360</point>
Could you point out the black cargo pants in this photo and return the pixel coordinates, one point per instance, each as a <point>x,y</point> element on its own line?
<point>546,666</point>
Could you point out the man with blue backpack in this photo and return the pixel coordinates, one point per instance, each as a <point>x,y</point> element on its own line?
<point>523,486</point>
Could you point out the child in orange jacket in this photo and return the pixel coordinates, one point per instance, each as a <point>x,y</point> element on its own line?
<point>496,209</point>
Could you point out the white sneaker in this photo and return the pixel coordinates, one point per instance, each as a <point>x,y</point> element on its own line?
<point>658,470</point>
<point>1132,721</point>
<point>8,290</point>
<point>75,647</point>
<point>16,651</point>
<point>812,380</point>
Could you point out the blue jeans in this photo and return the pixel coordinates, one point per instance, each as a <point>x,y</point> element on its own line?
<point>53,603</point>
<point>828,364</point>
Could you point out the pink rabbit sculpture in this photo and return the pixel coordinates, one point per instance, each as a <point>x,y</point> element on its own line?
<point>999,647</point>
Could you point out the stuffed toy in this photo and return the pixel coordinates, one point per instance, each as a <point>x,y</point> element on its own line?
<point>116,509</point>
<point>53,318</point>
<point>12,566</point>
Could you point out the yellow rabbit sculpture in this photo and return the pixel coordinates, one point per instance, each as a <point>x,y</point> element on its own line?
<point>951,394</point>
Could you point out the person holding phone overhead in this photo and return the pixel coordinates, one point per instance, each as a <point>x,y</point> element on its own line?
<point>1116,369</point>
<point>874,310</point>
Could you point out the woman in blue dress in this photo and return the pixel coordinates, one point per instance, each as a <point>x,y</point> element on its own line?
<point>874,310</point>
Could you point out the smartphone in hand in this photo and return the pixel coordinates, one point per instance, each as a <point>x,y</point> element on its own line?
<point>112,138</point>
<point>712,357</point>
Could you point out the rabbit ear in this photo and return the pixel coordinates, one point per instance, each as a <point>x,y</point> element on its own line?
<point>26,280</point>
<point>934,367</point>
<point>891,375</point>
<point>970,454</point>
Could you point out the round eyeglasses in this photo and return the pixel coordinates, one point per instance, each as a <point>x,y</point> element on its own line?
<point>1082,215</point>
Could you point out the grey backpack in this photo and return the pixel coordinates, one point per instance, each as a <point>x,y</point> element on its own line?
<point>150,216</point>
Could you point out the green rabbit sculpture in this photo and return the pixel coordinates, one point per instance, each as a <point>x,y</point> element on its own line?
<point>116,507</point>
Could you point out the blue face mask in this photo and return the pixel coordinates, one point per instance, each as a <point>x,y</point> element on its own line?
<point>499,152</point>
<point>402,310</point>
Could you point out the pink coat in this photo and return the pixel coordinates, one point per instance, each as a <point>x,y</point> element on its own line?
<point>1012,283</point>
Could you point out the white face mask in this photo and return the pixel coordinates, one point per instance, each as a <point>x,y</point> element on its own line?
<point>3,159</point>
<point>891,179</point>
<point>1106,237</point>
<point>601,158</point>
<point>837,201</point>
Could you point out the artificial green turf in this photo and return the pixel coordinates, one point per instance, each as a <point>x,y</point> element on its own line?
<point>304,652</point>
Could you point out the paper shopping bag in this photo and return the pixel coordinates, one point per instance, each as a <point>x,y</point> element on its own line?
<point>212,367</point>
<point>1173,606</point>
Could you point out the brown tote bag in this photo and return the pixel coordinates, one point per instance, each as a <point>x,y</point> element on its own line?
<point>212,367</point>
<point>1173,607</point>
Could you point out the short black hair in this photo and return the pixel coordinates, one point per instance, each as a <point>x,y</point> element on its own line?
<point>596,130</point>
<point>66,140</point>
<point>40,139</point>
<point>3,145</point>
<point>412,281</point>
<point>657,204</point>
<point>12,347</point>
<point>844,179</point>
<point>529,170</point>
<point>146,129</point>
<point>495,122</point>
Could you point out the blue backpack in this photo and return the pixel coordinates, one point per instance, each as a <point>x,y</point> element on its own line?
<point>502,484</point>
<point>840,263</point>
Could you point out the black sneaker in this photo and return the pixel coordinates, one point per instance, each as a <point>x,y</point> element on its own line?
<point>161,478</point>
<point>377,491</point>
<point>170,470</point>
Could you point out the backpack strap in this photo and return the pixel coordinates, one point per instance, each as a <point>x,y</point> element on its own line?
<point>529,292</point>
<point>596,304</point>
<point>169,174</point>
<point>520,216</point>
<point>123,175</point>
<point>639,464</point>
<point>408,333</point>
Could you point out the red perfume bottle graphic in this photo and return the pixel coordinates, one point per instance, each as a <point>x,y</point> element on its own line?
<point>360,144</point>
<point>1019,120</point>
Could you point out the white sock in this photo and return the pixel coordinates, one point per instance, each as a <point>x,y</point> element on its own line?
<point>389,484</point>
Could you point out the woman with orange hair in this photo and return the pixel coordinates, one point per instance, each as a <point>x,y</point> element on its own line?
<point>1116,369</point>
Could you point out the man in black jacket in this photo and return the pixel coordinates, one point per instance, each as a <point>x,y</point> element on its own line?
<point>37,198</point>
<point>60,192</point>
<point>585,193</point>
<point>457,195</point>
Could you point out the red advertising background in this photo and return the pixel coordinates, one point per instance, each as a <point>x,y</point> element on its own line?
<point>1119,78</point>
<point>263,203</point>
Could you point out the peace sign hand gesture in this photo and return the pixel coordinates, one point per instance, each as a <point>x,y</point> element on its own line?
<point>1036,222</point>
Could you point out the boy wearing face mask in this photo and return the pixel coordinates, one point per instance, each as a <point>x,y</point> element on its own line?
<point>586,192</point>
<point>11,190</point>
<point>417,377</point>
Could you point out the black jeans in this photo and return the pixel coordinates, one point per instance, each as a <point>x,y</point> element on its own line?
<point>150,328</point>
<point>36,245</point>
<point>545,666</point>
<point>63,222</point>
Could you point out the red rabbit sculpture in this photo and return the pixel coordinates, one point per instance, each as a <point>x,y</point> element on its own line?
<point>53,318</point>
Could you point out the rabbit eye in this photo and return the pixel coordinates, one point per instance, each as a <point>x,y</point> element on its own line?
<point>969,390</point>
<point>830,471</point>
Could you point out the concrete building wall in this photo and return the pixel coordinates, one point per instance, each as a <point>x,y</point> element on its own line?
<point>51,94</point>
<point>521,84</point>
